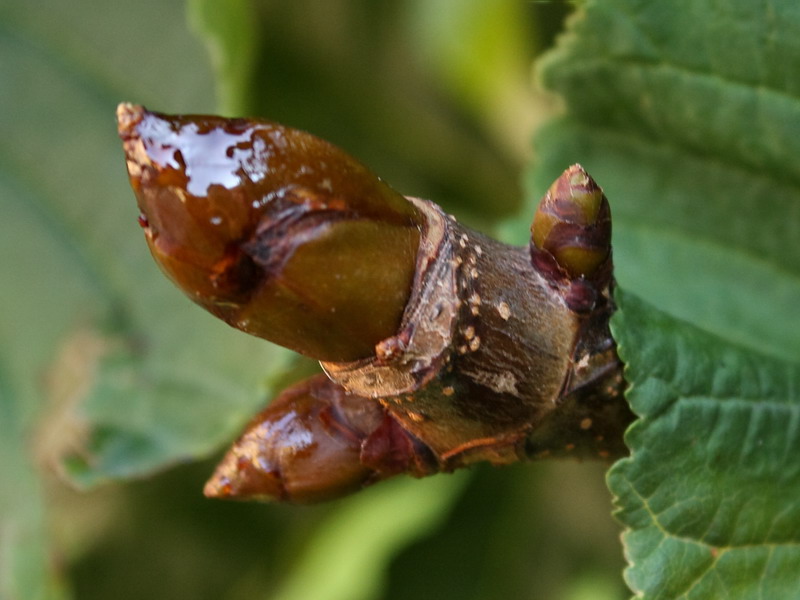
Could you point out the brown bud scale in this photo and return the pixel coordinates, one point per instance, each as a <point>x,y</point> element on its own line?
<point>571,233</point>
<point>267,228</point>
<point>442,347</point>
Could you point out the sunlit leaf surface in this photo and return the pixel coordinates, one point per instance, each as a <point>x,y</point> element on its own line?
<point>709,494</point>
<point>688,114</point>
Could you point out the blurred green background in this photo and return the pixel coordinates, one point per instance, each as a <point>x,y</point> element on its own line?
<point>111,380</point>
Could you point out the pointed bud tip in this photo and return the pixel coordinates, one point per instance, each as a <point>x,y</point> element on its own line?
<point>237,478</point>
<point>128,117</point>
<point>572,225</point>
<point>304,447</point>
<point>575,197</point>
<point>577,170</point>
<point>217,487</point>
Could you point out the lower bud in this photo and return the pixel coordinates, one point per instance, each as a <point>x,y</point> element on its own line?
<point>316,442</point>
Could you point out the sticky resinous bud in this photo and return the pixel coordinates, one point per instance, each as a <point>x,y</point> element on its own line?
<point>273,230</point>
<point>316,442</point>
<point>571,232</point>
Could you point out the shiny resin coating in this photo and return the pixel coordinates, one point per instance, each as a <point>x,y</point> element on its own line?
<point>316,442</point>
<point>273,230</point>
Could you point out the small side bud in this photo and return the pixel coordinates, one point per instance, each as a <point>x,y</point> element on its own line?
<point>273,230</point>
<point>571,231</point>
<point>316,442</point>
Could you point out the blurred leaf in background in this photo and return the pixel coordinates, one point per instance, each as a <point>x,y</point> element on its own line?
<point>107,373</point>
<point>358,73</point>
<point>100,356</point>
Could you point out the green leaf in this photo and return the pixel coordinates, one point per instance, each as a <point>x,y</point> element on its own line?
<point>709,493</point>
<point>480,54</point>
<point>688,115</point>
<point>170,382</point>
<point>364,534</point>
<point>230,32</point>
<point>532,531</point>
<point>105,366</point>
<point>26,570</point>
